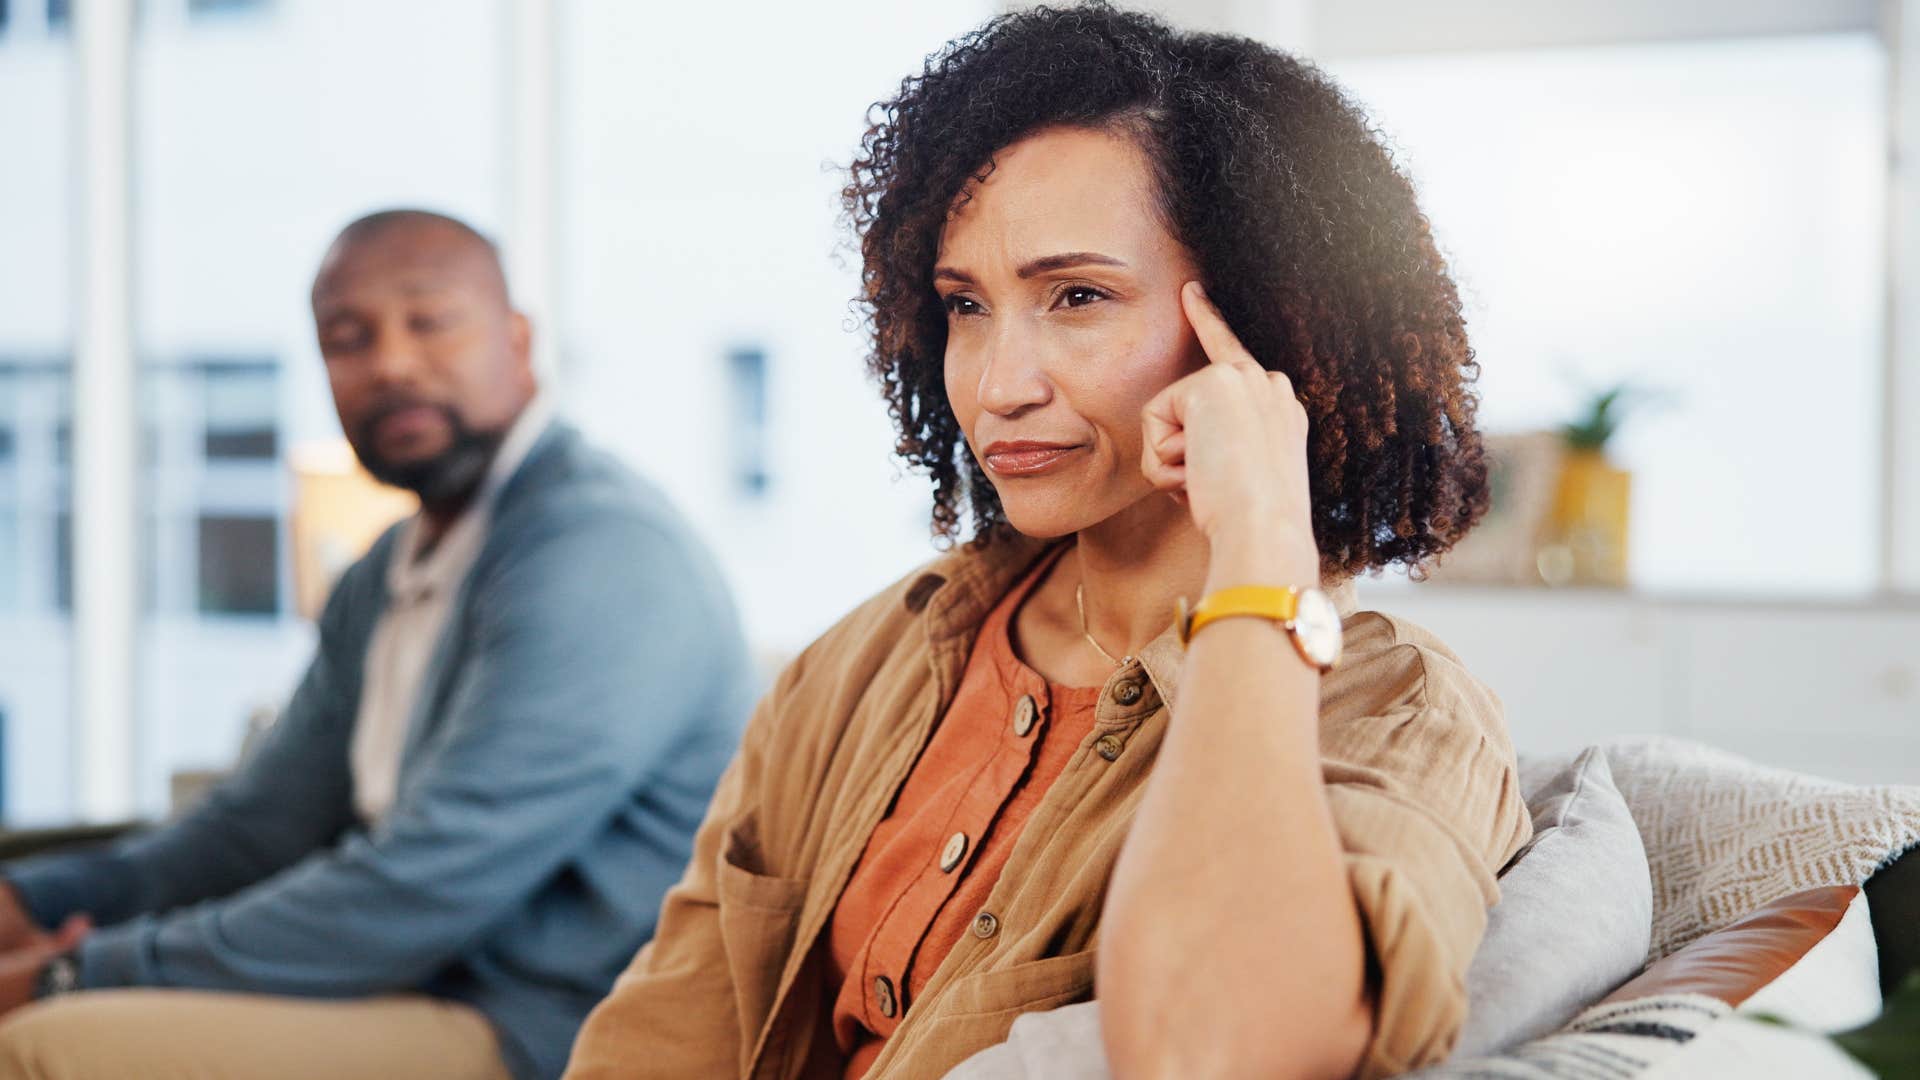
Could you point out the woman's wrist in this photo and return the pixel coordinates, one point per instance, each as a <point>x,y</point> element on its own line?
<point>1276,554</point>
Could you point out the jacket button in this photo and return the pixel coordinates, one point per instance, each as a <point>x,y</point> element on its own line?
<point>1024,714</point>
<point>1126,693</point>
<point>985,925</point>
<point>1109,747</point>
<point>883,995</point>
<point>955,850</point>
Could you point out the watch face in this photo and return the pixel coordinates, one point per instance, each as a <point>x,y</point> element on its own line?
<point>1317,628</point>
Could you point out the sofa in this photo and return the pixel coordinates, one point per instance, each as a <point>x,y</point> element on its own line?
<point>1680,912</point>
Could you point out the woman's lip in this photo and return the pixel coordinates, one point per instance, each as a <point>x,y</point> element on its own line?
<point>1016,459</point>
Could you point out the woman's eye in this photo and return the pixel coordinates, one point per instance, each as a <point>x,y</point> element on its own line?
<point>1080,296</point>
<point>960,305</point>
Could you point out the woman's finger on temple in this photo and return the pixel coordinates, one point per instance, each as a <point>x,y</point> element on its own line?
<point>1217,339</point>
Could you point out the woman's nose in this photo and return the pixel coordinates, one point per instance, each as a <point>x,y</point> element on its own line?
<point>1013,377</point>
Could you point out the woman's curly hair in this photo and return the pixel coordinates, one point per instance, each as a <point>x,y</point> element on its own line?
<point>1306,234</point>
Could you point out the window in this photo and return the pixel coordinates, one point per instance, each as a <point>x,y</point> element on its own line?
<point>747,371</point>
<point>223,7</point>
<point>239,564</point>
<point>241,404</point>
<point>214,472</point>
<point>36,573</point>
<point>9,558</point>
<point>37,211</point>
<point>9,376</point>
<point>62,548</point>
<point>1702,218</point>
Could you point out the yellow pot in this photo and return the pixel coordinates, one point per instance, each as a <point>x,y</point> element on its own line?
<point>1587,532</point>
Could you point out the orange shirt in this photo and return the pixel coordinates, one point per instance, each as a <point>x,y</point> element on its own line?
<point>931,863</point>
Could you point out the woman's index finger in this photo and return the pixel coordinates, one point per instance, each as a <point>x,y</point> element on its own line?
<point>1217,339</point>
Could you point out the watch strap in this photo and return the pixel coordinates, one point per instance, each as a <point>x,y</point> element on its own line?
<point>1276,603</point>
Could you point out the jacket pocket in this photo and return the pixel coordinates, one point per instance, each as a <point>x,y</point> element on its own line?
<point>759,914</point>
<point>1033,986</point>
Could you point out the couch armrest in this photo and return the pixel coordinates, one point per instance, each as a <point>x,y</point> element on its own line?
<point>20,843</point>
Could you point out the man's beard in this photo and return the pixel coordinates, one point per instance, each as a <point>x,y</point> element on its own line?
<point>446,478</point>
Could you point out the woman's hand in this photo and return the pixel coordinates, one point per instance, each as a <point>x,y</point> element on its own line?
<point>1231,441</point>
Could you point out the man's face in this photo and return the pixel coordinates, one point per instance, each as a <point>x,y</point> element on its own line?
<point>428,362</point>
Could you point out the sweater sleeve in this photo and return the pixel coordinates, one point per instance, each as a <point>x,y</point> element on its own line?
<point>588,646</point>
<point>286,799</point>
<point>676,1010</point>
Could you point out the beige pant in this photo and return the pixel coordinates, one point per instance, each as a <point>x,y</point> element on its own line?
<point>191,1035</point>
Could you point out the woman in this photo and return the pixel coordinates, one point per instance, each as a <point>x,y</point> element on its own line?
<point>1162,321</point>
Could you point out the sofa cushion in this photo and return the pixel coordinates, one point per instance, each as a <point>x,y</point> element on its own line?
<point>1725,835</point>
<point>1807,959</point>
<point>1575,912</point>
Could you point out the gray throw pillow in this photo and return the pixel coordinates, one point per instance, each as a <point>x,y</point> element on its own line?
<point>1059,1044</point>
<point>1575,916</point>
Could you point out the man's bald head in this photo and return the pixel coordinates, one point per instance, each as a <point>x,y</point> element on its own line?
<point>429,363</point>
<point>406,235</point>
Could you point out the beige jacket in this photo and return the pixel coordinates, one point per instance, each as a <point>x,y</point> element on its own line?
<point>1420,777</point>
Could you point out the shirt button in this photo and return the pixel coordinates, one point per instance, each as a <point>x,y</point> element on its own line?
<point>955,850</point>
<point>1109,747</point>
<point>1024,714</point>
<point>1126,693</point>
<point>985,925</point>
<point>883,994</point>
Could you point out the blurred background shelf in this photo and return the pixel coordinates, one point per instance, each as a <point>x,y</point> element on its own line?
<point>1828,686</point>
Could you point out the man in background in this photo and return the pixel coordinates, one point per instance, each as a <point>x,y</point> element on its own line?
<point>460,828</point>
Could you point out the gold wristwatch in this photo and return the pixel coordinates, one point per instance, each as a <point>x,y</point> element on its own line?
<point>1307,615</point>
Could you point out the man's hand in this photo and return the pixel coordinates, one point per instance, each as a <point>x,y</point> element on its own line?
<point>17,928</point>
<point>20,968</point>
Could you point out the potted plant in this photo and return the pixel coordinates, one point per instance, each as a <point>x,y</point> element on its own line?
<point>1586,541</point>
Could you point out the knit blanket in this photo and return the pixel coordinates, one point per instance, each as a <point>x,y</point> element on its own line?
<point>1725,835</point>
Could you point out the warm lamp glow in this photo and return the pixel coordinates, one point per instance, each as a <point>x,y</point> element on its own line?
<point>338,512</point>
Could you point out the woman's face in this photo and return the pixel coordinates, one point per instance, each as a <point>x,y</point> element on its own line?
<point>1062,292</point>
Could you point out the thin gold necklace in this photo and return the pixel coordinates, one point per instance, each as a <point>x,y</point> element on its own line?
<point>1080,601</point>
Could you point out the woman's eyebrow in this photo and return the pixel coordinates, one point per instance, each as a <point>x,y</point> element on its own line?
<point>1064,260</point>
<point>1041,265</point>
